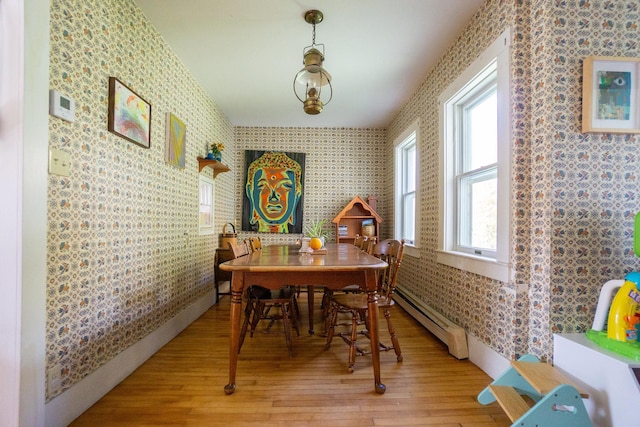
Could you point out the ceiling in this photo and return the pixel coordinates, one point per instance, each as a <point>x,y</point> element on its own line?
<point>245,53</point>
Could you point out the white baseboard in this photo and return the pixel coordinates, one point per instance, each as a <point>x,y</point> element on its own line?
<point>66,407</point>
<point>484,357</point>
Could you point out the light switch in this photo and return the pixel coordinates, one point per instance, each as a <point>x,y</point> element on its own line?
<point>59,162</point>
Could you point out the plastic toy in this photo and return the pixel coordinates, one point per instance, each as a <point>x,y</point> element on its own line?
<point>621,323</point>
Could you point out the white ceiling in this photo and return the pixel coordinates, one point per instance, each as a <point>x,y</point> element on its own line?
<point>245,53</point>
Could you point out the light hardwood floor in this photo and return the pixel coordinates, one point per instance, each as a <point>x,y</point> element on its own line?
<point>182,384</point>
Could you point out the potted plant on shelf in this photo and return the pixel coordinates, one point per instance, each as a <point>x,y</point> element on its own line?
<point>215,151</point>
<point>317,232</point>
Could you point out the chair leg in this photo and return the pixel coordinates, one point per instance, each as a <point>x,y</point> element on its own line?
<point>352,342</point>
<point>394,337</point>
<point>294,321</point>
<point>326,303</point>
<point>285,310</point>
<point>257,313</point>
<point>330,325</point>
<point>296,309</point>
<point>247,317</point>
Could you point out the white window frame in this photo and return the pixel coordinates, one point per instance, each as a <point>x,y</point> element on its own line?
<point>495,266</point>
<point>409,136</point>
<point>206,229</point>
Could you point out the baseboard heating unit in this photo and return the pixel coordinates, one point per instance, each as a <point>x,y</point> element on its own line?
<point>448,332</point>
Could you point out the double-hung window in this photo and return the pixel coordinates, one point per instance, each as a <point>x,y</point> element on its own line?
<point>406,187</point>
<point>475,166</point>
<point>207,204</point>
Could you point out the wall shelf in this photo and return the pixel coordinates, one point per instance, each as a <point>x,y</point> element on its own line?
<point>213,164</point>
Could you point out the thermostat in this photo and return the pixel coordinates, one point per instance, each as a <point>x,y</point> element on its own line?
<point>61,106</point>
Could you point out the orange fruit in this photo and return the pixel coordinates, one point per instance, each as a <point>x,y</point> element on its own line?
<point>315,243</point>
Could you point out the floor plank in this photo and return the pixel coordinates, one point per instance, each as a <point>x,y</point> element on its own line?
<point>182,384</point>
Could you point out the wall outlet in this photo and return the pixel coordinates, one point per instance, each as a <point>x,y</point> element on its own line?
<point>54,379</point>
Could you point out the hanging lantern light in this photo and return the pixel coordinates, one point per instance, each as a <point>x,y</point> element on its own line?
<point>313,77</point>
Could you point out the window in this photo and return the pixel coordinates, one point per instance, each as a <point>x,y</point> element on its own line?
<point>207,205</point>
<point>406,187</point>
<point>475,173</point>
<point>475,167</point>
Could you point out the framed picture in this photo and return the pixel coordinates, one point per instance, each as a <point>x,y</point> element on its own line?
<point>610,95</point>
<point>273,190</point>
<point>175,141</point>
<point>129,114</point>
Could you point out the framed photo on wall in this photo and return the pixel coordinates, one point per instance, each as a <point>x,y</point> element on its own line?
<point>176,139</point>
<point>129,114</point>
<point>610,95</point>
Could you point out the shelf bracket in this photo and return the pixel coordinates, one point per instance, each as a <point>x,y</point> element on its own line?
<point>213,164</point>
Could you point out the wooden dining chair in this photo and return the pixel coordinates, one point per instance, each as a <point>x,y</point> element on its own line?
<point>255,243</point>
<point>261,303</point>
<point>392,252</point>
<point>366,244</point>
<point>369,243</point>
<point>238,250</point>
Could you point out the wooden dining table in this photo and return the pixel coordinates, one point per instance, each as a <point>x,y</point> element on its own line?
<point>276,266</point>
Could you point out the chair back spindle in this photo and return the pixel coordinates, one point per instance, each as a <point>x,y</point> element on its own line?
<point>255,243</point>
<point>238,250</point>
<point>392,252</point>
<point>368,244</point>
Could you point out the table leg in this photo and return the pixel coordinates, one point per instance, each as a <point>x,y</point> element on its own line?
<point>236,309</point>
<point>372,306</point>
<point>310,295</point>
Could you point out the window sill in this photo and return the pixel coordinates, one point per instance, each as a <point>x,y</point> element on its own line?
<point>482,266</point>
<point>412,251</point>
<point>206,231</point>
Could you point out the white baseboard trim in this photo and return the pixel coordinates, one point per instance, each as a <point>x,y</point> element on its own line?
<point>484,357</point>
<point>68,406</point>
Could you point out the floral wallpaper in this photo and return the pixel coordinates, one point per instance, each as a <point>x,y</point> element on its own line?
<point>573,195</point>
<point>124,254</point>
<point>340,164</point>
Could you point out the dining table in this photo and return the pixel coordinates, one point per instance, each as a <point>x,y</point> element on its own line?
<point>336,266</point>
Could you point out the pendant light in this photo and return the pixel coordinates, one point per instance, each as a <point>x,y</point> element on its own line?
<point>313,77</point>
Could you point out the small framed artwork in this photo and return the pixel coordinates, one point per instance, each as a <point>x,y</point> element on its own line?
<point>610,95</point>
<point>129,114</point>
<point>176,141</point>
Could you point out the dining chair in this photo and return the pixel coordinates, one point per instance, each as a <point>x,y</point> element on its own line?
<point>255,243</point>
<point>261,302</point>
<point>238,250</point>
<point>366,244</point>
<point>355,304</point>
